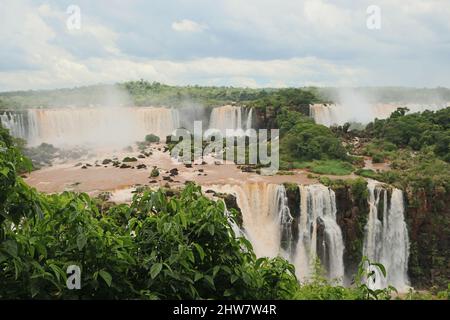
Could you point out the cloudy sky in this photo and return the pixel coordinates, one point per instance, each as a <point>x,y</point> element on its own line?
<point>252,43</point>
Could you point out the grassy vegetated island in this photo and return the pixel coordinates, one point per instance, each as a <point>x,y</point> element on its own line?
<point>180,244</point>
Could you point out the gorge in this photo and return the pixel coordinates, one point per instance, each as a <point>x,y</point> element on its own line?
<point>297,215</point>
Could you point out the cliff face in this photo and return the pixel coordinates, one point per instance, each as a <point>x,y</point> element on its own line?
<point>352,212</point>
<point>427,216</point>
<point>428,220</point>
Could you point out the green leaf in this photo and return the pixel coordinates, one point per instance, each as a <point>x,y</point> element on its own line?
<point>197,276</point>
<point>10,246</point>
<point>106,276</point>
<point>381,267</point>
<point>191,256</point>
<point>56,270</point>
<point>200,251</point>
<point>81,241</point>
<point>215,271</point>
<point>4,171</point>
<point>155,270</point>
<point>210,281</point>
<point>228,293</point>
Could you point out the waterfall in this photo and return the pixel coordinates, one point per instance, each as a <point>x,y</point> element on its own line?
<point>386,236</point>
<point>338,114</point>
<point>231,118</point>
<point>265,214</point>
<point>15,123</point>
<point>95,126</point>
<point>318,211</point>
<point>267,223</point>
<point>249,119</point>
<point>285,221</point>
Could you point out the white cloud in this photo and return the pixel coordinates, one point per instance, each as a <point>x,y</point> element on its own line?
<point>186,25</point>
<point>205,71</point>
<point>283,43</point>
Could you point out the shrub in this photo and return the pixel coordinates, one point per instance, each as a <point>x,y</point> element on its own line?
<point>377,158</point>
<point>151,138</point>
<point>154,173</point>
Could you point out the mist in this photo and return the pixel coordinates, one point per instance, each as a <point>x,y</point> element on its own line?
<point>363,105</point>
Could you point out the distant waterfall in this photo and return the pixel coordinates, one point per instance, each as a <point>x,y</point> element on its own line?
<point>318,210</point>
<point>338,114</point>
<point>93,126</point>
<point>386,236</point>
<point>15,123</point>
<point>230,117</point>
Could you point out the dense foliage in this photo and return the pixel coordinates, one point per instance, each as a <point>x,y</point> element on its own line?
<point>416,130</point>
<point>303,141</point>
<point>144,93</point>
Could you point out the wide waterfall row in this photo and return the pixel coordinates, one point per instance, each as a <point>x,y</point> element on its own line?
<point>113,126</point>
<point>386,240</point>
<point>338,114</point>
<point>91,126</point>
<point>314,235</point>
<point>232,118</point>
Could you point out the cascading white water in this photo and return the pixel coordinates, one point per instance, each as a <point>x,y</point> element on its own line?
<point>318,206</point>
<point>15,123</point>
<point>338,114</point>
<point>232,118</point>
<point>97,126</point>
<point>265,214</point>
<point>386,237</point>
<point>249,121</point>
<point>267,223</point>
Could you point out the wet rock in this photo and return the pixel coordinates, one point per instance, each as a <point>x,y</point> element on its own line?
<point>124,166</point>
<point>247,169</point>
<point>188,165</point>
<point>141,156</point>
<point>129,159</point>
<point>83,167</point>
<point>173,172</point>
<point>200,170</point>
<point>107,161</point>
<point>78,164</point>
<point>152,181</point>
<point>141,166</point>
<point>116,163</point>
